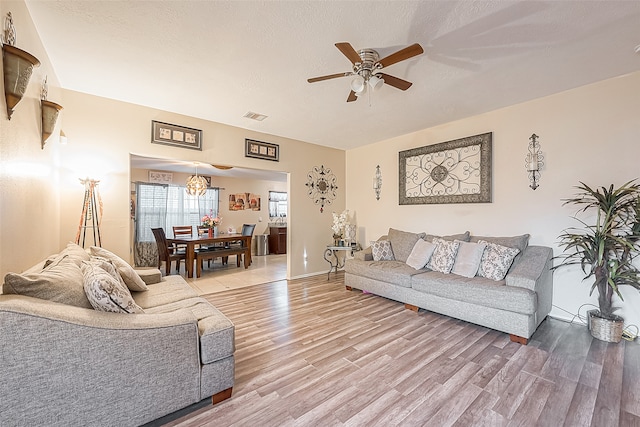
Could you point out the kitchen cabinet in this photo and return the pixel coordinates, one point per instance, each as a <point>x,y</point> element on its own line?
<point>277,240</point>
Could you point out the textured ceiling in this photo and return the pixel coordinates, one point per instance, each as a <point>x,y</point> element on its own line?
<point>217,60</point>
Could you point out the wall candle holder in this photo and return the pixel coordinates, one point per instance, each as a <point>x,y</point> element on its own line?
<point>377,182</point>
<point>17,66</point>
<point>534,161</point>
<point>50,111</point>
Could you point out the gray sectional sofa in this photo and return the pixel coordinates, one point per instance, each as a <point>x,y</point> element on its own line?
<point>63,363</point>
<point>515,305</point>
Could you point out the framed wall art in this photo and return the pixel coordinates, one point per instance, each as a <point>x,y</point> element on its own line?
<point>178,136</point>
<point>262,150</point>
<point>457,171</point>
<point>244,201</point>
<point>159,177</point>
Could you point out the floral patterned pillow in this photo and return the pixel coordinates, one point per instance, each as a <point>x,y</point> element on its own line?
<point>496,260</point>
<point>381,250</point>
<point>104,292</point>
<point>128,274</point>
<point>444,256</point>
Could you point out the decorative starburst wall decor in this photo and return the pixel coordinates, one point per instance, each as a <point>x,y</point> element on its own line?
<point>322,185</point>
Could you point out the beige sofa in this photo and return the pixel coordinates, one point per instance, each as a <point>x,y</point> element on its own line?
<point>65,364</point>
<point>515,305</point>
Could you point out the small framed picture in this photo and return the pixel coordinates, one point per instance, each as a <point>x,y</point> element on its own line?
<point>160,177</point>
<point>178,136</point>
<point>262,150</point>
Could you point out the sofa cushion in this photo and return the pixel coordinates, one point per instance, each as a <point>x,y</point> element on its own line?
<point>420,254</point>
<point>462,237</point>
<point>129,275</point>
<point>444,255</point>
<point>402,243</point>
<point>104,291</point>
<point>169,290</point>
<point>382,251</point>
<point>61,281</point>
<point>476,290</point>
<point>215,329</point>
<point>468,258</point>
<point>394,272</point>
<point>496,261</point>
<point>517,242</point>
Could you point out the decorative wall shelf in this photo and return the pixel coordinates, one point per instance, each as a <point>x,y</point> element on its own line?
<point>17,67</point>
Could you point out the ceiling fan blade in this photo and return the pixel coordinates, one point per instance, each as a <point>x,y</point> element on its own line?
<point>330,76</point>
<point>401,55</point>
<point>348,51</point>
<point>352,97</point>
<point>395,82</point>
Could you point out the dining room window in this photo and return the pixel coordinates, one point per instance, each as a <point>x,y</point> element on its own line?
<point>162,205</point>
<point>277,204</point>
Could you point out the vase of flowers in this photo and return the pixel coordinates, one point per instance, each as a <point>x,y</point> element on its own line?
<point>211,223</point>
<point>339,223</point>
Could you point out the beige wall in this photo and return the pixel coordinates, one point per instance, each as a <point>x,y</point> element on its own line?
<point>589,134</point>
<point>29,196</point>
<point>102,133</point>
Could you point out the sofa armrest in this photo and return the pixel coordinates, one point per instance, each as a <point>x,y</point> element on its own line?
<point>533,272</point>
<point>78,359</point>
<point>149,276</point>
<point>364,255</point>
<point>533,268</point>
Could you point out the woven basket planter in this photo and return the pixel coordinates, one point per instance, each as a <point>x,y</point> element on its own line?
<point>605,329</point>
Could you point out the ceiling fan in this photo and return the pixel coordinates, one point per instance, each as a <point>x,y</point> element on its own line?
<point>367,67</point>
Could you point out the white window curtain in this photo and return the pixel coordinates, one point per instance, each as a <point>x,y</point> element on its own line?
<point>165,206</point>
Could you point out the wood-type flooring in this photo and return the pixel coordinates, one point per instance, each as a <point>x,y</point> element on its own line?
<point>311,353</point>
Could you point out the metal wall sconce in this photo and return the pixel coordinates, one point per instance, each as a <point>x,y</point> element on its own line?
<point>377,182</point>
<point>17,67</point>
<point>534,161</point>
<point>50,111</point>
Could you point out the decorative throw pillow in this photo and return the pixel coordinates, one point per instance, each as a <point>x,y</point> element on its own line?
<point>104,292</point>
<point>444,255</point>
<point>60,282</point>
<point>108,266</point>
<point>381,250</point>
<point>75,252</point>
<point>496,260</point>
<point>420,254</point>
<point>468,258</point>
<point>402,243</point>
<point>129,275</point>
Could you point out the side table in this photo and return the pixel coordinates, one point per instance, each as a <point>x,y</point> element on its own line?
<point>331,255</point>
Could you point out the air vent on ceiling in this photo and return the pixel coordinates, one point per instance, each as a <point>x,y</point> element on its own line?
<point>255,116</point>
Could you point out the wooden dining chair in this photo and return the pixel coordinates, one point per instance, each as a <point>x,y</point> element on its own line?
<point>247,230</point>
<point>167,254</point>
<point>203,230</point>
<point>182,231</point>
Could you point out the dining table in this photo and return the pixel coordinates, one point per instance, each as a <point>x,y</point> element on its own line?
<point>190,242</point>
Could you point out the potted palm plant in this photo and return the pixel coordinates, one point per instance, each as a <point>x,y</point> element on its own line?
<point>605,250</point>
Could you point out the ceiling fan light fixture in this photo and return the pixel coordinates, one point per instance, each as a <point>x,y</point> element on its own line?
<point>376,82</point>
<point>358,84</point>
